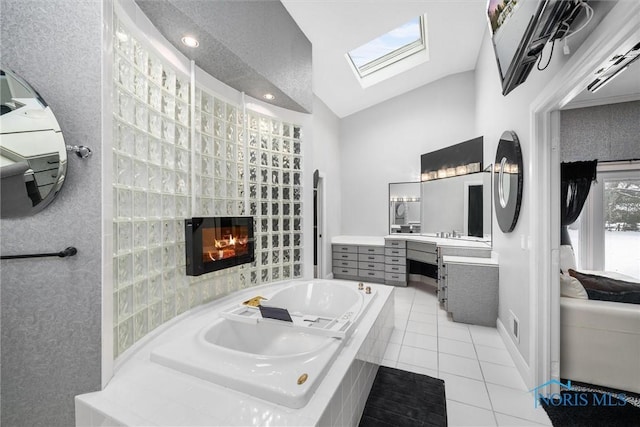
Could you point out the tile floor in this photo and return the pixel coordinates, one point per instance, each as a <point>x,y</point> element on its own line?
<point>483,387</point>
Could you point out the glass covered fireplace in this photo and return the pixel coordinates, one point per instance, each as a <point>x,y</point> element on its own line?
<point>215,243</point>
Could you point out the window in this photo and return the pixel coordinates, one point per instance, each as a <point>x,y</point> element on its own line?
<point>621,203</point>
<point>391,49</point>
<point>609,226</point>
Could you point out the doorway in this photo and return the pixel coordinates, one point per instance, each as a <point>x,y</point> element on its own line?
<point>615,30</point>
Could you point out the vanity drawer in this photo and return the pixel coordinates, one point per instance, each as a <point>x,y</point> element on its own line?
<point>362,265</point>
<point>395,268</point>
<point>371,258</point>
<point>45,163</point>
<point>371,274</point>
<point>426,257</point>
<point>337,271</point>
<point>345,264</point>
<point>395,252</point>
<point>345,256</point>
<point>395,277</point>
<point>398,244</point>
<point>46,177</point>
<point>371,250</point>
<point>422,247</point>
<point>345,248</point>
<point>395,260</point>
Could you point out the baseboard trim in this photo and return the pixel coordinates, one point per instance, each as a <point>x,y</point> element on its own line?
<point>521,365</point>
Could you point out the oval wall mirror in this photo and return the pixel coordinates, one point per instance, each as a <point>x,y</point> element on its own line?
<point>33,156</point>
<point>507,181</point>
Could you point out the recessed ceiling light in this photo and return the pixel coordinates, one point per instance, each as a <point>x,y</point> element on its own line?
<point>269,96</point>
<point>190,41</point>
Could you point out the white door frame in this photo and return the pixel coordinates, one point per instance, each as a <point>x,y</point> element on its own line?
<point>322,225</point>
<point>615,29</point>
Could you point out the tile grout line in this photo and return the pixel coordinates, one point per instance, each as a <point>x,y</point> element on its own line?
<point>484,380</point>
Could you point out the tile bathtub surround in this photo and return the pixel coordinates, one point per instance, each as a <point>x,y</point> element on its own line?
<point>145,393</point>
<point>243,165</point>
<point>483,387</point>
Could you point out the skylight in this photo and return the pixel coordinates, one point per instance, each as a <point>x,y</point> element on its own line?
<point>390,48</point>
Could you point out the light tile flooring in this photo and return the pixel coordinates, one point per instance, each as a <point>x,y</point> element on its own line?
<point>483,387</point>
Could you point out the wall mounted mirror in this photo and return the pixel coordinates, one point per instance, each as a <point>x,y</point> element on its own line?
<point>458,206</point>
<point>508,180</point>
<point>33,157</point>
<point>404,207</point>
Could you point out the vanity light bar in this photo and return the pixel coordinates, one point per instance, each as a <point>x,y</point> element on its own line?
<point>405,199</point>
<point>452,171</point>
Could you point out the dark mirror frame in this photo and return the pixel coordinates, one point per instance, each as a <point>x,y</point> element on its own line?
<point>508,165</point>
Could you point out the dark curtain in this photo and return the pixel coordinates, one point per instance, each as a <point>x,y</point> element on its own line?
<point>576,178</point>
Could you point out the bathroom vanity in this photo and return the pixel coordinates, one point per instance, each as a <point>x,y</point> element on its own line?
<point>469,289</point>
<point>359,258</point>
<point>463,271</point>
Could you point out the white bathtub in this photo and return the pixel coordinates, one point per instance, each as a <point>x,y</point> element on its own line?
<point>319,298</point>
<point>269,359</point>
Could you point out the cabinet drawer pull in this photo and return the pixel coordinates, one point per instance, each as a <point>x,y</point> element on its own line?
<point>393,276</point>
<point>344,271</point>
<point>345,256</point>
<point>395,252</point>
<point>371,250</point>
<point>370,265</point>
<point>371,258</point>
<point>370,273</point>
<point>345,264</point>
<point>395,268</point>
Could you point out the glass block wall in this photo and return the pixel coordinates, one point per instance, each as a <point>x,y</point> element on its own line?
<point>243,164</point>
<point>275,197</point>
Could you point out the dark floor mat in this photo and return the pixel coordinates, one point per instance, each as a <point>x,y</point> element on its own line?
<point>593,405</point>
<point>400,398</point>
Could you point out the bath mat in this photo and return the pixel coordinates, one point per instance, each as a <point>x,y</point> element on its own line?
<point>594,405</point>
<point>400,398</point>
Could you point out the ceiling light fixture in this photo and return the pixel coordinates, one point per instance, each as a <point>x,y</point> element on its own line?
<point>190,41</point>
<point>269,96</point>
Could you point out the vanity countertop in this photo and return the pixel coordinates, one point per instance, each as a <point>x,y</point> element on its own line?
<point>440,241</point>
<point>379,241</point>
<point>358,240</point>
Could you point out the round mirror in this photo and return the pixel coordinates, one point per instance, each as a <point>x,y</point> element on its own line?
<point>507,181</point>
<point>33,156</point>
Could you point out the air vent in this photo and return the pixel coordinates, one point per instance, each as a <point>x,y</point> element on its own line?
<point>616,65</point>
<point>514,325</point>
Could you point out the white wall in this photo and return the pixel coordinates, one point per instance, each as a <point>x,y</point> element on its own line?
<point>383,144</point>
<point>326,158</point>
<point>496,113</point>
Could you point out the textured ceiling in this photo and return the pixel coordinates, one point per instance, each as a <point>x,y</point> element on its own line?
<point>252,46</point>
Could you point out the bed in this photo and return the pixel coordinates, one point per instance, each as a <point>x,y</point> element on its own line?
<point>600,340</point>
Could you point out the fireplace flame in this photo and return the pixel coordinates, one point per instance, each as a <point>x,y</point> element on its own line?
<point>226,247</point>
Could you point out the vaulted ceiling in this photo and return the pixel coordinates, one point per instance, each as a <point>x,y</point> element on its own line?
<point>454,34</point>
<point>295,49</point>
